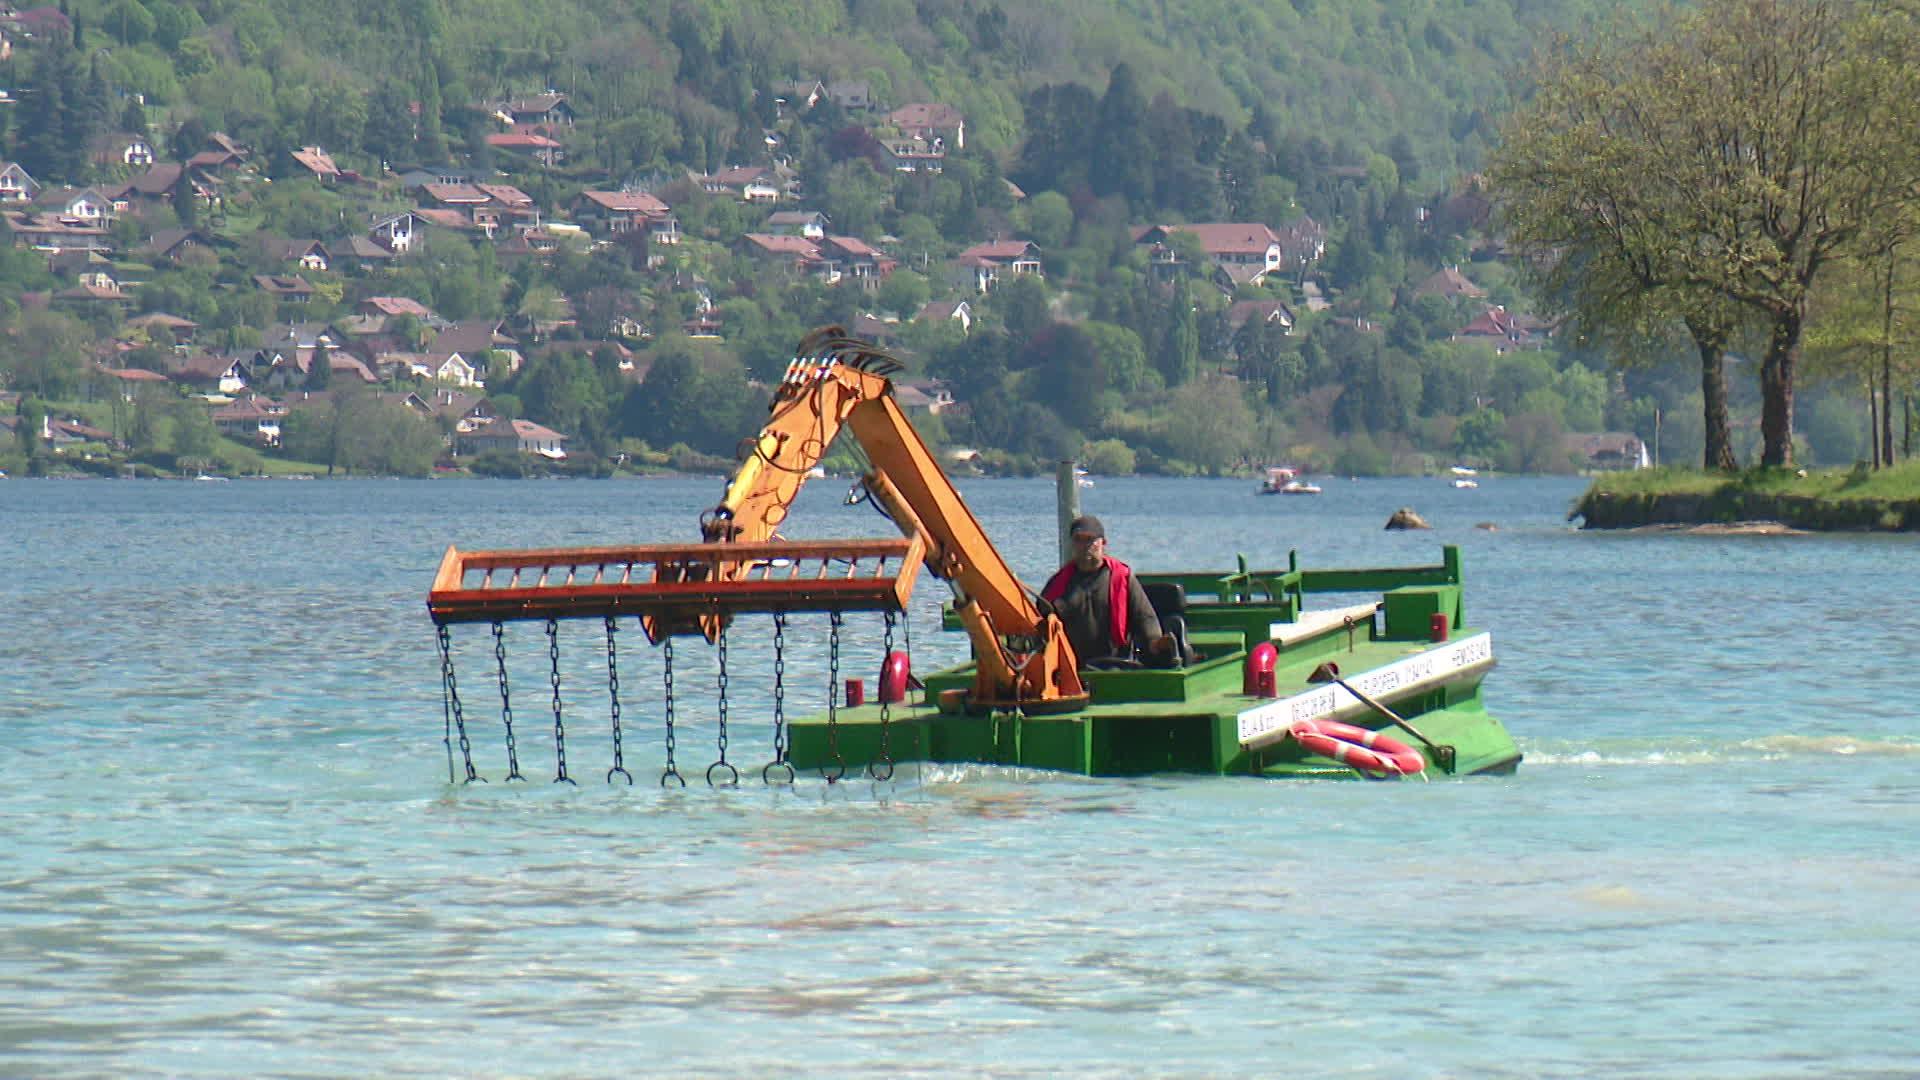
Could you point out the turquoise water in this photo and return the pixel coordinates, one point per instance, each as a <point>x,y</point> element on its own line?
<point>233,849</point>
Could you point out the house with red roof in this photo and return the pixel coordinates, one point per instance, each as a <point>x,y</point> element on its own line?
<point>250,418</point>
<point>617,212</point>
<point>1244,253</point>
<point>513,437</point>
<point>549,109</point>
<point>541,148</point>
<point>1269,312</point>
<point>48,233</point>
<point>996,260</point>
<point>931,122</point>
<point>847,257</point>
<point>318,163</point>
<point>1450,283</point>
<point>393,306</point>
<point>797,251</point>
<point>750,183</point>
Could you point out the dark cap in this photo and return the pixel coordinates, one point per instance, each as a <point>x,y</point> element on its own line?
<point>1088,526</point>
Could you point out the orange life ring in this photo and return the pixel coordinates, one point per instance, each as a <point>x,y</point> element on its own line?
<point>1368,751</point>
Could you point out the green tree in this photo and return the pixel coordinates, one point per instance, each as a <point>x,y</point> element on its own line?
<point>1179,356</point>
<point>1480,437</point>
<point>1069,375</point>
<point>1121,146</point>
<point>49,357</point>
<point>193,434</point>
<point>698,399</point>
<point>903,293</point>
<point>1761,140</point>
<point>1209,425</point>
<point>1023,305</point>
<point>1049,220</point>
<point>46,125</point>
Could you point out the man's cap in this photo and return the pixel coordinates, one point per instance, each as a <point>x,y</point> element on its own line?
<point>1088,526</point>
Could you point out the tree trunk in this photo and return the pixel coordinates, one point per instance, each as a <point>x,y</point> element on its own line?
<point>1713,391</point>
<point>1873,419</point>
<point>1712,343</point>
<point>1776,389</point>
<point>1886,372</point>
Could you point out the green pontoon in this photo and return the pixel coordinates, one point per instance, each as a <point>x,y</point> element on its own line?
<point>1403,663</point>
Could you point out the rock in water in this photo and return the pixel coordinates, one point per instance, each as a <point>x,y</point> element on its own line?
<point>1405,518</point>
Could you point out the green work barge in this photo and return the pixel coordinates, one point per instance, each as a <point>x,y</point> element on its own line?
<point>1403,667</point>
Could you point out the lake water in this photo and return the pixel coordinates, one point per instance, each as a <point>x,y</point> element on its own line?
<point>233,850</point>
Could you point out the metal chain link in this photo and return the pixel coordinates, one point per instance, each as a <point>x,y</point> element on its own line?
<point>450,699</point>
<point>720,641</point>
<point>613,707</point>
<point>506,701</point>
<point>559,728</point>
<point>666,653</point>
<point>833,700</point>
<point>881,767</point>
<point>779,702</point>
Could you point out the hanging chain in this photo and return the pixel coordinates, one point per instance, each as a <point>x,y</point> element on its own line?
<point>833,700</point>
<point>450,697</point>
<point>733,774</point>
<point>881,767</point>
<point>613,696</point>
<point>779,702</point>
<point>506,701</point>
<point>666,654</point>
<point>906,632</point>
<point>559,729</point>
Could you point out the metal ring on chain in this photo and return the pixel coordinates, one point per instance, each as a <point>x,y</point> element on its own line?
<point>779,704</point>
<point>559,728</point>
<point>666,653</point>
<point>881,767</point>
<point>720,640</point>
<point>452,688</point>
<point>833,701</point>
<point>506,701</point>
<point>613,695</point>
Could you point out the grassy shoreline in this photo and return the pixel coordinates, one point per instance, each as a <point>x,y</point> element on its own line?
<point>1856,499</point>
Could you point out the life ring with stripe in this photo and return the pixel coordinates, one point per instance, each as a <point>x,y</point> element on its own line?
<point>1367,751</point>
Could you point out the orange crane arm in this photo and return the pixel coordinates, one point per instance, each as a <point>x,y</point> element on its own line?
<point>1023,656</point>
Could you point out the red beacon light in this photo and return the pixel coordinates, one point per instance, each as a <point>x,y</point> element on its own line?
<point>1257,679</point>
<point>896,675</point>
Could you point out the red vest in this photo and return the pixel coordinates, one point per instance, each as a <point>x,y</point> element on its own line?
<point>1118,575</point>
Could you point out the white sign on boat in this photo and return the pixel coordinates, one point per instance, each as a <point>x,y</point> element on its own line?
<point>1416,674</point>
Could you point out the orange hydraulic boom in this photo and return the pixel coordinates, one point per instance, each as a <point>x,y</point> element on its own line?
<point>1023,658</point>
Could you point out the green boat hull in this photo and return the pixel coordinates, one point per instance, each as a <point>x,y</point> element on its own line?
<point>1405,666</point>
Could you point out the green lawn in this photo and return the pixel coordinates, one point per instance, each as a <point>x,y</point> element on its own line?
<point>1900,482</point>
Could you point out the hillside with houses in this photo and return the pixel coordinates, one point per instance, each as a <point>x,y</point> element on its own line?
<point>220,250</point>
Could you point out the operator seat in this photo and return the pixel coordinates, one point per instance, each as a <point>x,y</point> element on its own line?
<point>1169,600</point>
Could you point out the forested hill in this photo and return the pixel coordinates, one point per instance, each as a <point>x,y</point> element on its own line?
<point>1413,79</point>
<point>1192,235</point>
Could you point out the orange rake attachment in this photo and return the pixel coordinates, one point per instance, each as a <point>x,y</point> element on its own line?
<point>676,588</point>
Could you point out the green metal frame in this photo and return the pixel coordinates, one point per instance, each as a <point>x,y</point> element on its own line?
<point>1185,720</point>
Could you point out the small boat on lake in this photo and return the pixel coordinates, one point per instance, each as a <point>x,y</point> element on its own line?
<point>1282,480</point>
